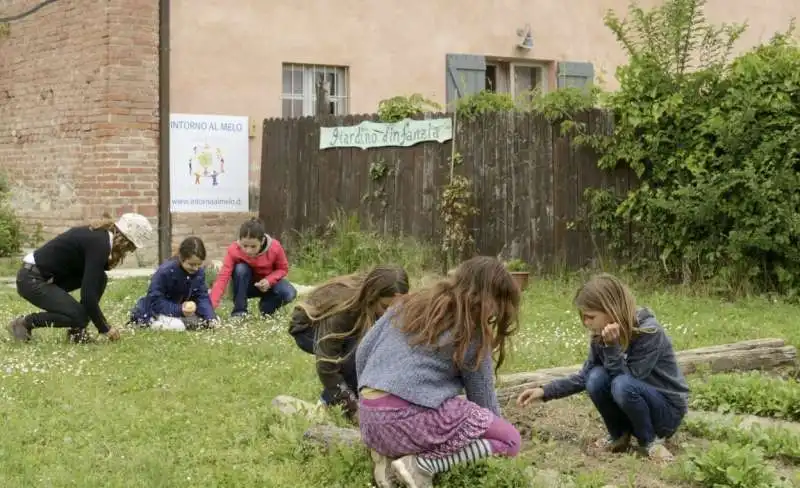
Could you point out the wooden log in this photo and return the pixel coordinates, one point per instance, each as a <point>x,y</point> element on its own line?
<point>742,422</point>
<point>738,356</point>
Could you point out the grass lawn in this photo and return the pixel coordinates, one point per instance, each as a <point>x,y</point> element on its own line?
<point>193,409</point>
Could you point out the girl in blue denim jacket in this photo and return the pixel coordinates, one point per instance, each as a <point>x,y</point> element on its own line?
<point>177,298</point>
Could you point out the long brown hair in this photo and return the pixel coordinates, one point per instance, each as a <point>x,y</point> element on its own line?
<point>608,294</point>
<point>357,293</point>
<point>120,245</point>
<point>479,302</point>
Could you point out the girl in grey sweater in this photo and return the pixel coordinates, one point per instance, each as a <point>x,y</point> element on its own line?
<point>415,361</point>
<point>631,374</point>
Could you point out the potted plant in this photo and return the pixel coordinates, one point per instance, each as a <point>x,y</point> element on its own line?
<point>519,271</point>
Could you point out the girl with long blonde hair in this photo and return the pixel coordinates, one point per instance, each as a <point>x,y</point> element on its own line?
<point>414,363</point>
<point>631,374</point>
<point>330,322</point>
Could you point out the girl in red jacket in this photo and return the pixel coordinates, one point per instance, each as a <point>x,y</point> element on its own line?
<point>258,266</point>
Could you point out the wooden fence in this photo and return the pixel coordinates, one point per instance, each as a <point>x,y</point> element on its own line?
<point>529,183</point>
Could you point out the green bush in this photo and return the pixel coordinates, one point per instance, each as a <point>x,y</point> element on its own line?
<point>11,236</point>
<point>344,247</point>
<point>715,145</point>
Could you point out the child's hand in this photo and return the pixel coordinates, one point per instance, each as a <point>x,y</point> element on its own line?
<point>262,285</point>
<point>530,396</point>
<point>113,334</point>
<point>189,308</point>
<point>610,334</point>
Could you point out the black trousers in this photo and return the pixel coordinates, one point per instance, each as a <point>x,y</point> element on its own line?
<point>305,340</point>
<point>60,308</point>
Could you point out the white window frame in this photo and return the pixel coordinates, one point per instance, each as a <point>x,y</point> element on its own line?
<point>308,94</point>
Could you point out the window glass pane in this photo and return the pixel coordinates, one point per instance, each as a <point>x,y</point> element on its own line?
<point>292,108</point>
<point>524,79</point>
<point>287,108</point>
<point>292,79</point>
<point>333,86</point>
<point>297,80</point>
<point>287,79</point>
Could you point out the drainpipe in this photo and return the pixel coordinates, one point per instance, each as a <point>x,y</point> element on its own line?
<point>164,214</point>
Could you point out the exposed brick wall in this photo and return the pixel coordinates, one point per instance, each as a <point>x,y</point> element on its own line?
<point>79,110</point>
<point>217,230</point>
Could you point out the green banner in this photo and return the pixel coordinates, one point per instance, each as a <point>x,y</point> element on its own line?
<point>369,134</point>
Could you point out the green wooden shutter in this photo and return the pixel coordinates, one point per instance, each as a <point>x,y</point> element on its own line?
<point>575,75</point>
<point>466,74</point>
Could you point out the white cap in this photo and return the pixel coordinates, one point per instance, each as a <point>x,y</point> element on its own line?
<point>136,228</point>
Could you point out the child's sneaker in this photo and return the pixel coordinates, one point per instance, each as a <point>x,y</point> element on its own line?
<point>382,470</point>
<point>619,444</point>
<point>658,452</point>
<point>411,473</point>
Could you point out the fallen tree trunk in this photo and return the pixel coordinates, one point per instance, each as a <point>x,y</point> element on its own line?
<point>739,356</point>
<point>742,422</point>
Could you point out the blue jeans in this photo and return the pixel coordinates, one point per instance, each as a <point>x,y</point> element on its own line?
<point>244,287</point>
<point>305,341</point>
<point>631,406</point>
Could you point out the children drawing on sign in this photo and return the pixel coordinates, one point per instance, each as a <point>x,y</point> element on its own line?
<point>197,178</point>
<point>631,374</point>
<point>214,178</point>
<point>190,166</point>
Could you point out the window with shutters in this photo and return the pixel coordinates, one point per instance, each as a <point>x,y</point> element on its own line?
<point>467,74</point>
<point>299,93</point>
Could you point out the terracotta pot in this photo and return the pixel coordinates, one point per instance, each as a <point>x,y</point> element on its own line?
<point>521,277</point>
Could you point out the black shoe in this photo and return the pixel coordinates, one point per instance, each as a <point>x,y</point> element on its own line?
<point>19,330</point>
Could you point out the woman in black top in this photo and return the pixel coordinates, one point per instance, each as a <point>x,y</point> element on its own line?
<point>76,259</point>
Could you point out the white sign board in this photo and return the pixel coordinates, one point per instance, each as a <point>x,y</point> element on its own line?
<point>369,134</point>
<point>209,163</point>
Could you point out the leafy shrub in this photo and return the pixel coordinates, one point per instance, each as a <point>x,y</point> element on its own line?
<point>11,236</point>
<point>485,101</point>
<point>715,145</point>
<point>398,108</point>
<point>344,247</point>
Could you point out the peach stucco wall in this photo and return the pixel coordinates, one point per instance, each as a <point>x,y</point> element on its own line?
<point>227,56</point>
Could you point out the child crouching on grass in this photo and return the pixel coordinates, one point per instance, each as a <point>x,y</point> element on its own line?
<point>257,265</point>
<point>631,375</point>
<point>177,298</point>
<point>413,364</point>
<point>331,320</point>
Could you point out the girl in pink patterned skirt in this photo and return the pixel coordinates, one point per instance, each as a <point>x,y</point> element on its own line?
<point>417,359</point>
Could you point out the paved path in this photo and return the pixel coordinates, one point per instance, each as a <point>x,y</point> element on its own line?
<point>124,273</point>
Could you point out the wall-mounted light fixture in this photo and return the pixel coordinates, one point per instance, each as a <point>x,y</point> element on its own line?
<point>526,41</point>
